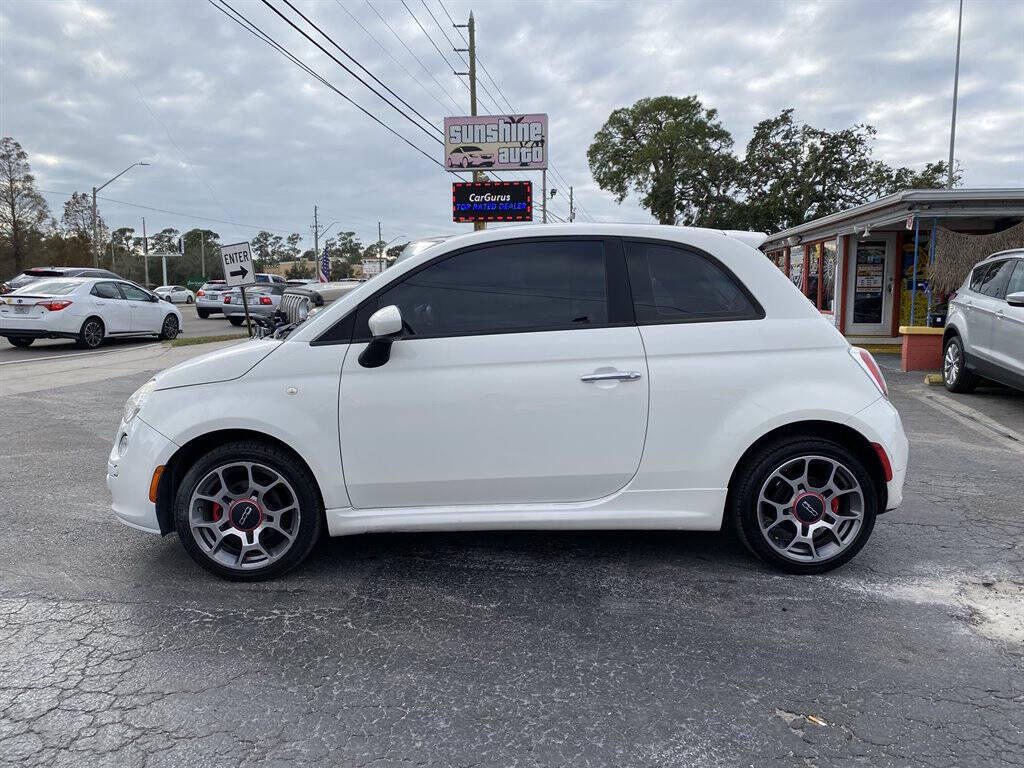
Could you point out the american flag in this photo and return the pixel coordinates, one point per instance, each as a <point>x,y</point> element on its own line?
<point>325,267</point>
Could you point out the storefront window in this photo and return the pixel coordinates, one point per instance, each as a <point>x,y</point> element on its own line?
<point>796,267</point>
<point>828,275</point>
<point>812,273</point>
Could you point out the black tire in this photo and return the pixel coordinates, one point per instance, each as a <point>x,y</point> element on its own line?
<point>189,300</point>
<point>235,320</point>
<point>955,375</point>
<point>20,341</point>
<point>91,334</point>
<point>310,509</point>
<point>203,313</point>
<point>169,330</point>
<point>744,494</point>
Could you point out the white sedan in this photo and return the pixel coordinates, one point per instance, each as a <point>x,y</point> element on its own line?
<point>85,309</point>
<point>566,377</point>
<point>176,294</point>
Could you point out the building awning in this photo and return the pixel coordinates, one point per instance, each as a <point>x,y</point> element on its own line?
<point>886,212</point>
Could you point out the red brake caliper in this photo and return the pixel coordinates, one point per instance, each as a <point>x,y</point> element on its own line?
<point>216,512</point>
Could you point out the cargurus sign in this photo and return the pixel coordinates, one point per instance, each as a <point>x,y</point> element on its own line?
<point>500,142</point>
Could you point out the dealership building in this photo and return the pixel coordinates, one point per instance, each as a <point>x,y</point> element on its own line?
<point>885,265</point>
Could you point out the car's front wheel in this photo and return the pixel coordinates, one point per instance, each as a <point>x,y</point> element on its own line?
<point>955,375</point>
<point>20,341</point>
<point>248,511</point>
<point>804,505</point>
<point>169,330</point>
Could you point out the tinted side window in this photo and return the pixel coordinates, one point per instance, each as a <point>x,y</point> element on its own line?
<point>507,287</point>
<point>133,293</point>
<point>1016,281</point>
<point>672,284</point>
<point>995,279</point>
<point>106,291</point>
<point>977,276</point>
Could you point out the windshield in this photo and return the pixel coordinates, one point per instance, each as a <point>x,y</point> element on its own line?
<point>49,287</point>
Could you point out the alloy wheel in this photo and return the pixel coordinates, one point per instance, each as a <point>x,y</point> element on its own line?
<point>170,327</point>
<point>951,364</point>
<point>810,509</point>
<point>244,515</point>
<point>92,333</point>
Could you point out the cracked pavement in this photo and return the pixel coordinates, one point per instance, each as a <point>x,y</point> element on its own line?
<point>511,649</point>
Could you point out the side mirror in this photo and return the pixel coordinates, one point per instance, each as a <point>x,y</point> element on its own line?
<point>1015,299</point>
<point>385,327</point>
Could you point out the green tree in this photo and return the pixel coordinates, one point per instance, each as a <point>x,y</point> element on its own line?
<point>23,212</point>
<point>671,151</point>
<point>795,172</point>
<point>300,269</point>
<point>76,223</point>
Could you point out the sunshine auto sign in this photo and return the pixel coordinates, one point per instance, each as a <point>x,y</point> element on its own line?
<point>496,142</point>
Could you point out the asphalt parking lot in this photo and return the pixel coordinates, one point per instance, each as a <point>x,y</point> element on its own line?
<point>513,649</point>
<point>192,326</point>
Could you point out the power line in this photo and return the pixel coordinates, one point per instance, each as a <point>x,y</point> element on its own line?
<point>417,58</point>
<point>450,66</point>
<point>254,30</point>
<point>377,93</point>
<point>394,58</point>
<point>359,64</point>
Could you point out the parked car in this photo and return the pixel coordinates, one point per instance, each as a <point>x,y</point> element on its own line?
<point>210,297</point>
<point>38,273</point>
<point>175,294</point>
<point>984,331</point>
<point>86,309</point>
<point>299,301</point>
<point>470,157</point>
<point>263,301</point>
<point>579,376</point>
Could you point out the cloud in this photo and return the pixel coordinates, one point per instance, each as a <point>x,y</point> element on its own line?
<point>236,132</point>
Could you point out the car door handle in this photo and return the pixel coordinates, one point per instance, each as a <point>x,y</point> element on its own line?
<point>611,376</point>
<point>99,303</point>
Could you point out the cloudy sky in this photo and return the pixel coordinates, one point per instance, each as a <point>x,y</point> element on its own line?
<point>238,134</point>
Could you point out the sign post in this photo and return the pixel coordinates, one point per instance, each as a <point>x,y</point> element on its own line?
<point>236,259</point>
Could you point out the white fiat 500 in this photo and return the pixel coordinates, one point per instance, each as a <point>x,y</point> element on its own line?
<point>564,377</point>
<point>86,309</point>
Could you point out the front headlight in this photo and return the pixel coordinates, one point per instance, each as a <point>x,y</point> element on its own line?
<point>302,311</point>
<point>137,400</point>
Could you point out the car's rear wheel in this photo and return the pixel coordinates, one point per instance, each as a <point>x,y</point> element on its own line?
<point>235,320</point>
<point>189,300</point>
<point>91,334</point>
<point>955,375</point>
<point>169,330</point>
<point>804,505</point>
<point>20,341</point>
<point>203,313</point>
<point>248,511</point>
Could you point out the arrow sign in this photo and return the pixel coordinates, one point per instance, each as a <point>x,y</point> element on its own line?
<point>236,259</point>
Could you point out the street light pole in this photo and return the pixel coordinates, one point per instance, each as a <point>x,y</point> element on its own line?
<point>956,85</point>
<point>95,241</point>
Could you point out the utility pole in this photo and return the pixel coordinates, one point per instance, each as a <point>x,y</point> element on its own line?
<point>544,196</point>
<point>145,252</point>
<point>956,85</point>
<point>316,240</point>
<point>380,239</point>
<point>572,208</point>
<point>202,252</point>
<point>477,175</point>
<point>95,242</point>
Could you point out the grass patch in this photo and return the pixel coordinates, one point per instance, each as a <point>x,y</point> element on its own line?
<point>187,342</point>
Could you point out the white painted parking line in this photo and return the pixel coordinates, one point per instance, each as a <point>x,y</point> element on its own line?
<point>93,353</point>
<point>973,419</point>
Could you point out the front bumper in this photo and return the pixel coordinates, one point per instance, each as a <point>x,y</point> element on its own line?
<point>129,473</point>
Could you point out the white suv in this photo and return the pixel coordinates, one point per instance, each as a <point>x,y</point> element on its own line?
<point>984,333</point>
<point>564,377</point>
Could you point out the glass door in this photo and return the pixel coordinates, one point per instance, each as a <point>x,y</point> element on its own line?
<point>869,286</point>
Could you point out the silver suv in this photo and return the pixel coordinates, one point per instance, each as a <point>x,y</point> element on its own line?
<point>984,333</point>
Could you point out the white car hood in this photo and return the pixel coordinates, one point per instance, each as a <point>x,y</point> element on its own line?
<point>223,365</point>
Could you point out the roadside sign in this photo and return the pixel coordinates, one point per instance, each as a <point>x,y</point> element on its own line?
<point>237,262</point>
<point>492,201</point>
<point>496,142</point>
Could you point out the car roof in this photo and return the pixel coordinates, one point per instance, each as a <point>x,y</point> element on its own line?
<point>1003,254</point>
